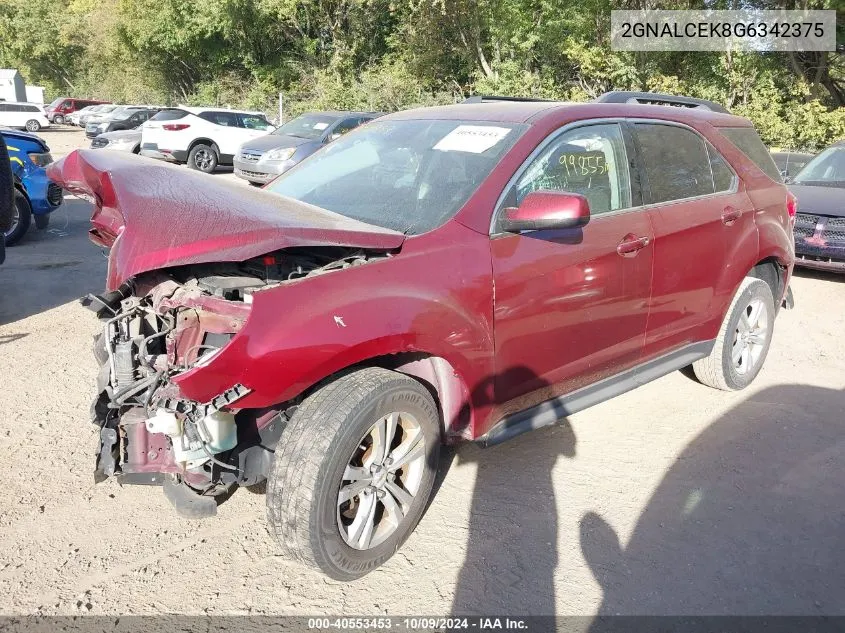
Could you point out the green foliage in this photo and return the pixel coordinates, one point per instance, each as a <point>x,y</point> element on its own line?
<point>392,54</point>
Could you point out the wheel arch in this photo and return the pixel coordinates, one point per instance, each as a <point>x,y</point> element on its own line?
<point>19,186</point>
<point>447,387</point>
<point>773,272</point>
<point>204,141</point>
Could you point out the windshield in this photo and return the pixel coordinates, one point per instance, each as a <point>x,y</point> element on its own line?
<point>55,102</point>
<point>310,126</point>
<point>410,176</point>
<point>827,169</point>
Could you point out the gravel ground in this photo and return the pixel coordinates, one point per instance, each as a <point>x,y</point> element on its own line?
<point>673,498</point>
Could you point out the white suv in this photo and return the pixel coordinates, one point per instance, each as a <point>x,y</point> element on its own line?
<point>29,116</point>
<point>201,137</point>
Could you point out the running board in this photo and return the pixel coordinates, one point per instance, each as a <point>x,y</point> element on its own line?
<point>552,411</point>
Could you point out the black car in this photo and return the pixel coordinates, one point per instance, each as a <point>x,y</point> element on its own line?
<point>820,222</point>
<point>123,118</point>
<point>790,163</point>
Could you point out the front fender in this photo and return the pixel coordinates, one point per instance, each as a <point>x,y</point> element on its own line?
<point>435,297</point>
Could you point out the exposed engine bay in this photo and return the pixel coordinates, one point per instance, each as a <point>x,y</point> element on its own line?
<point>166,322</point>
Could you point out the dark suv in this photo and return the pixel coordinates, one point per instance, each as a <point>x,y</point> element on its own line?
<point>458,273</point>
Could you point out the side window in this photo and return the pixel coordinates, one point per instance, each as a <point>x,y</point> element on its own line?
<point>254,122</point>
<point>750,144</point>
<point>4,107</point>
<point>676,162</point>
<point>227,119</point>
<point>31,108</point>
<point>344,126</point>
<point>590,161</point>
<point>723,177</point>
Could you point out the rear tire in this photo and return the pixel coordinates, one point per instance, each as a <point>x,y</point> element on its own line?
<point>20,221</point>
<point>203,158</point>
<point>32,125</point>
<point>743,341</point>
<point>348,529</point>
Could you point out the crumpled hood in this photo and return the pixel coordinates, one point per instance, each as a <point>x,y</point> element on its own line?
<point>815,200</point>
<point>154,215</point>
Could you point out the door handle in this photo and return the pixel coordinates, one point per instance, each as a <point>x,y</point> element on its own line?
<point>730,215</point>
<point>631,244</point>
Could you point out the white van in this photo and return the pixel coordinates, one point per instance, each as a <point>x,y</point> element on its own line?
<point>29,116</point>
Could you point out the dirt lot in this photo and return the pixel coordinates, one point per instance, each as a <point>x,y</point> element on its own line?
<point>674,498</point>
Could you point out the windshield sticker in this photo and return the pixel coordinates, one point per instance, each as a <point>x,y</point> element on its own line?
<point>321,126</point>
<point>471,138</point>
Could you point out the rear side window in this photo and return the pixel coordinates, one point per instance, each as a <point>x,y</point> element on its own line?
<point>227,119</point>
<point>723,177</point>
<point>748,142</point>
<point>676,162</point>
<point>171,114</point>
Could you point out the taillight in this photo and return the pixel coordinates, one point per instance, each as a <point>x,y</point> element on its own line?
<point>175,127</point>
<point>791,205</point>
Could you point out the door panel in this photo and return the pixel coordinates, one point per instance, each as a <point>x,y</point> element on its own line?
<point>569,309</point>
<point>697,211</point>
<point>690,252</point>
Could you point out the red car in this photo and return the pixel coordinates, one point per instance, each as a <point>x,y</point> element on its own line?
<point>465,272</point>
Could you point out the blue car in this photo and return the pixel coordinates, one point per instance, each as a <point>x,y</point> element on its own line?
<point>35,196</point>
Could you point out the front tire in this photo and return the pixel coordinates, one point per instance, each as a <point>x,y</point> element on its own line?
<point>32,125</point>
<point>743,341</point>
<point>203,158</point>
<point>21,218</point>
<point>59,120</point>
<point>353,472</point>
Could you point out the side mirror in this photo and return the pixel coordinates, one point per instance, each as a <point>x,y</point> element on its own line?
<point>547,210</point>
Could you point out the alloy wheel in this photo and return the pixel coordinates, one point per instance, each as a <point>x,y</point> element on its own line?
<point>750,337</point>
<point>32,126</point>
<point>381,480</point>
<point>203,159</point>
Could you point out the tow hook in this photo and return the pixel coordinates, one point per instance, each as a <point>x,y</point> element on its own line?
<point>789,300</point>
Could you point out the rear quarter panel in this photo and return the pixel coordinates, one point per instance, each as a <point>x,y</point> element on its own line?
<point>766,232</point>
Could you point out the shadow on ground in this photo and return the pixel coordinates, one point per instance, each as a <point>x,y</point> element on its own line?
<point>825,275</point>
<point>51,267</point>
<point>749,521</point>
<point>512,554</point>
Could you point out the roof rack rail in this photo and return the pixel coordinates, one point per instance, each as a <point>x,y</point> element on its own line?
<point>489,98</point>
<point>654,98</point>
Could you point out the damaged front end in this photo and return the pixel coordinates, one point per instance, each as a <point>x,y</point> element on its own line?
<point>187,253</point>
<point>163,324</point>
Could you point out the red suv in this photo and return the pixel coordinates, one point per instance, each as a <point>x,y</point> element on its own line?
<point>465,272</point>
<point>61,108</point>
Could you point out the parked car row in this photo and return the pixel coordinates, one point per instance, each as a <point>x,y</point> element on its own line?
<point>61,108</point>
